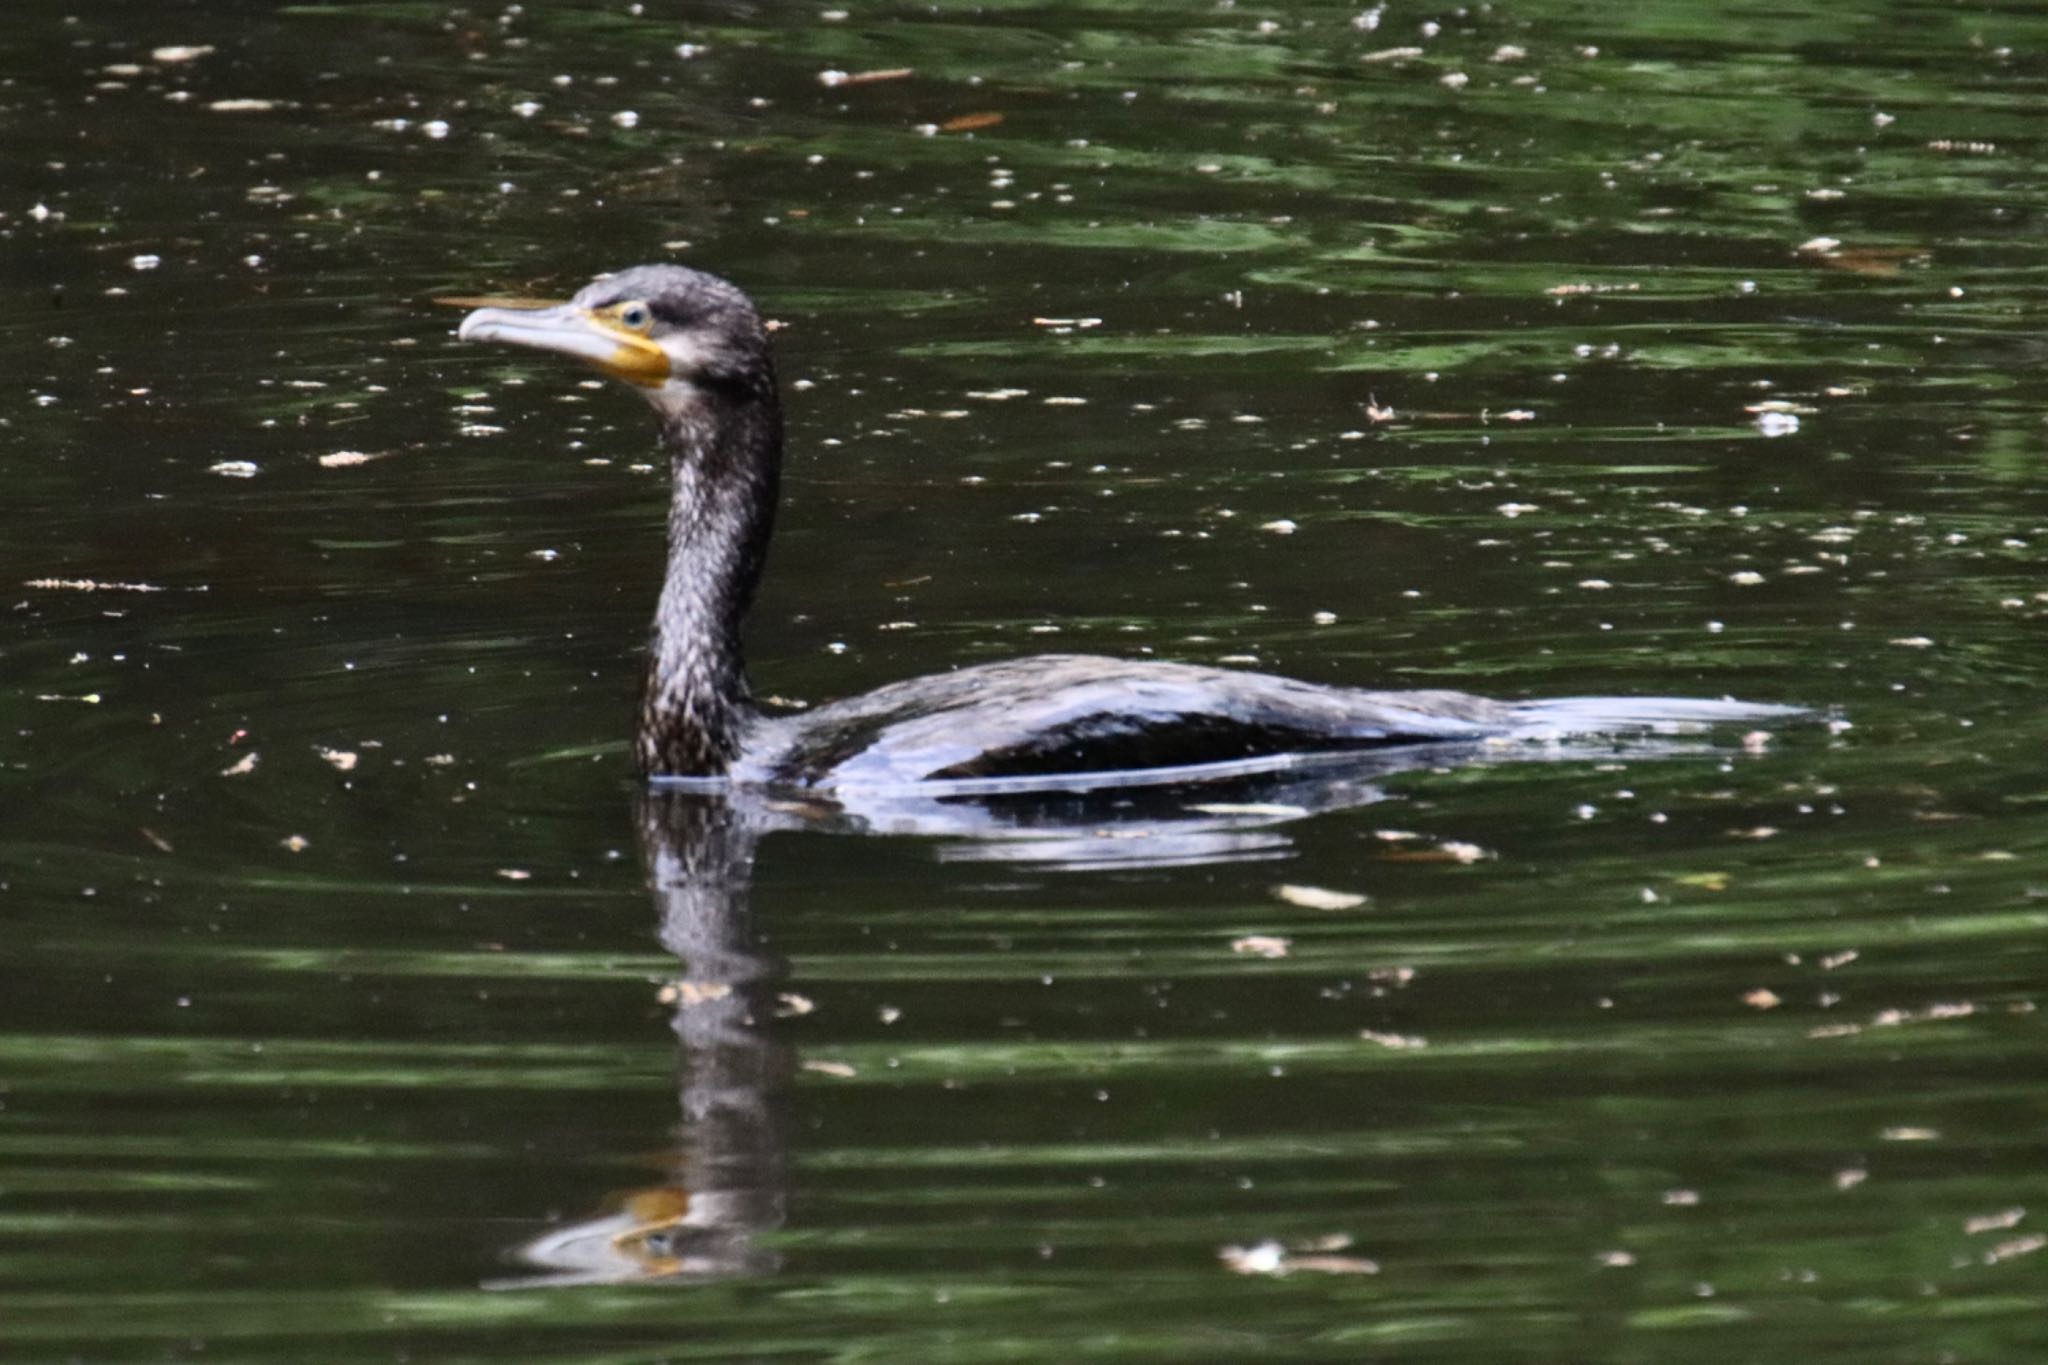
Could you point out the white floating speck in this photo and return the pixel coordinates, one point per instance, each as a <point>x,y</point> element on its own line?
<point>144,262</point>
<point>180,52</point>
<point>1776,423</point>
<point>1282,527</point>
<point>233,469</point>
<point>527,108</point>
<point>435,128</point>
<point>242,106</point>
<point>626,118</point>
<point>1319,897</point>
<point>1745,578</point>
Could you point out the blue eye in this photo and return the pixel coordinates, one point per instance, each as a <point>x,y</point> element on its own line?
<point>634,315</point>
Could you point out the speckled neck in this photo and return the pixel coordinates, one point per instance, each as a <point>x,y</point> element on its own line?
<point>725,454</point>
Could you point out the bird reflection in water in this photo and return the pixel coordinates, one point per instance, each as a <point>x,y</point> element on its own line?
<point>728,1189</point>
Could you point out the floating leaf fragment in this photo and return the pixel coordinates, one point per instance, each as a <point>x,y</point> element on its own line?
<point>967,123</point>
<point>2018,1246</point>
<point>1319,897</point>
<point>1262,945</point>
<point>1994,1222</point>
<point>835,79</point>
<point>824,1068</point>
<point>1271,1258</point>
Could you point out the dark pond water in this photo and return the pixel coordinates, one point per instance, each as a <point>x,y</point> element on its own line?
<point>1669,349</point>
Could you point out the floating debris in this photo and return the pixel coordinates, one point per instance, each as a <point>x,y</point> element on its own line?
<point>1272,1258</point>
<point>242,766</point>
<point>689,994</point>
<point>1319,897</point>
<point>835,79</point>
<point>1994,1222</point>
<point>1262,945</point>
<point>1560,291</point>
<point>840,1069</point>
<point>1394,1042</point>
<point>90,585</point>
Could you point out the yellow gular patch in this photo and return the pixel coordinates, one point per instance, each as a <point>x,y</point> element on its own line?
<point>637,358</point>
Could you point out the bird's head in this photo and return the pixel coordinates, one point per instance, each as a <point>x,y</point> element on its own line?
<point>677,335</point>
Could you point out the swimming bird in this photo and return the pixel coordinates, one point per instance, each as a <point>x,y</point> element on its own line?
<point>694,346</point>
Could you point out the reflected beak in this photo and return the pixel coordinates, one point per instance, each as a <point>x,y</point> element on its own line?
<point>568,330</point>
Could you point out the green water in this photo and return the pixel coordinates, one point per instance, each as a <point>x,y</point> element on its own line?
<point>1682,349</point>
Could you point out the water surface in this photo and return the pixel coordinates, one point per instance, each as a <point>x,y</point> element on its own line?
<point>1532,349</point>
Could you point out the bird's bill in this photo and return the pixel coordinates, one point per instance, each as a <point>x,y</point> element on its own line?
<point>572,331</point>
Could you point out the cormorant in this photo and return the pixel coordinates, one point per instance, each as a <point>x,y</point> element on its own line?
<point>694,346</point>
